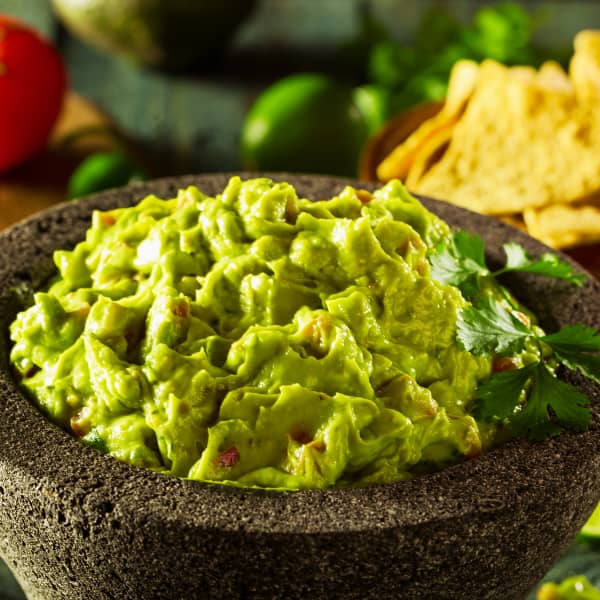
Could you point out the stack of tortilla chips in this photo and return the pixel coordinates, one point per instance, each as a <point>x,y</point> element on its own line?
<point>519,143</point>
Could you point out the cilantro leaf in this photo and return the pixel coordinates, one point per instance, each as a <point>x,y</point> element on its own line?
<point>587,364</point>
<point>517,259</point>
<point>459,260</point>
<point>490,328</point>
<point>569,406</point>
<point>549,397</point>
<point>575,346</point>
<point>499,396</point>
<point>574,337</point>
<point>470,246</point>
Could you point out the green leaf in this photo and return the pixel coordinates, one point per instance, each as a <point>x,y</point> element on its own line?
<point>502,32</point>
<point>488,326</point>
<point>588,364</point>
<point>491,328</point>
<point>391,64</point>
<point>575,337</point>
<point>533,422</point>
<point>458,261</point>
<point>437,29</point>
<point>517,259</point>
<point>578,348</point>
<point>569,406</point>
<point>471,246</point>
<point>499,396</point>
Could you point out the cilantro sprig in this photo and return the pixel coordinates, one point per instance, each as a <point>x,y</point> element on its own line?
<point>531,399</point>
<point>577,347</point>
<point>461,262</point>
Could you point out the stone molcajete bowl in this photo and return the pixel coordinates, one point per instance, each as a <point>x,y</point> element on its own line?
<point>77,524</point>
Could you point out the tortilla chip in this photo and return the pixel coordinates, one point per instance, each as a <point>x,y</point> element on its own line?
<point>462,82</point>
<point>428,153</point>
<point>565,225</point>
<point>518,145</point>
<point>584,69</point>
<point>523,73</point>
<point>553,77</point>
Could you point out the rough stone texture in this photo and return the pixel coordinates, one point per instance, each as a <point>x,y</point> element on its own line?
<point>77,524</point>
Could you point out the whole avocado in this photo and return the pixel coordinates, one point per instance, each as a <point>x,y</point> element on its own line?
<point>171,34</point>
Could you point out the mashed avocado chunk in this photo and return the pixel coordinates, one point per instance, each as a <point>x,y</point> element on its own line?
<point>258,338</point>
<point>576,587</point>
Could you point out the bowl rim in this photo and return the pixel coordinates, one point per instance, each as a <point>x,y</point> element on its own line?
<point>518,472</point>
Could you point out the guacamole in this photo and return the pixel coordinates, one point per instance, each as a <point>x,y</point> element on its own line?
<point>258,338</point>
<point>576,587</point>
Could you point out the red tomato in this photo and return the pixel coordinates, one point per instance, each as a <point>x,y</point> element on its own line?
<point>32,85</point>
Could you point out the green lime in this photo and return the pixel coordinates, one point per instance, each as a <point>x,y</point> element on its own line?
<point>591,529</point>
<point>102,171</point>
<point>305,123</point>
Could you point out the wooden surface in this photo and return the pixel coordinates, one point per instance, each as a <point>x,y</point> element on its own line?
<point>41,182</point>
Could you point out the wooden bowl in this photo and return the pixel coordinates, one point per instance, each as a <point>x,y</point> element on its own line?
<point>392,134</point>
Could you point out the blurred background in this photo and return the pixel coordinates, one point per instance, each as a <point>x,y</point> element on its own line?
<point>165,87</point>
<point>190,121</point>
<point>180,98</point>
